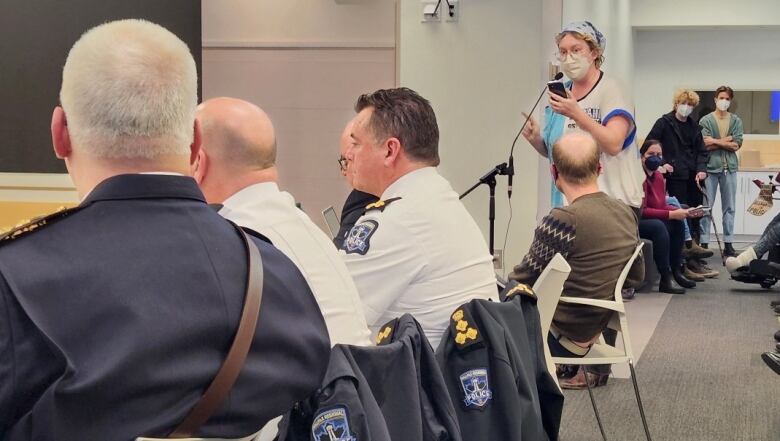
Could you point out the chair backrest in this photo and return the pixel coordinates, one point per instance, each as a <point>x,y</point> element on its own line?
<point>620,318</point>
<point>624,274</point>
<point>548,289</point>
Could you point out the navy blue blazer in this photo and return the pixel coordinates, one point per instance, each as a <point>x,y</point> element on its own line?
<point>115,318</point>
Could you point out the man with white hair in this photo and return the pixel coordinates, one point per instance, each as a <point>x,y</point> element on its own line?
<point>115,316</point>
<point>236,168</point>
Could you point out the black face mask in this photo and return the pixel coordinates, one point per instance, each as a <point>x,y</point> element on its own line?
<point>653,162</point>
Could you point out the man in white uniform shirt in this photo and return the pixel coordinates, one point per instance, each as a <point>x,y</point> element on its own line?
<point>236,168</point>
<point>417,250</point>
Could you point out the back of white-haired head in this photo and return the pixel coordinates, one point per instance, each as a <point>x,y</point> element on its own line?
<point>129,90</point>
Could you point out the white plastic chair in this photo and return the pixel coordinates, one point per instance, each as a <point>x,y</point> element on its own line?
<point>548,288</point>
<point>601,352</point>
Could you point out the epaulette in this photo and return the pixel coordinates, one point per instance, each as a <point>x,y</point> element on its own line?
<point>521,289</point>
<point>464,329</point>
<point>386,332</point>
<point>26,227</point>
<point>380,205</point>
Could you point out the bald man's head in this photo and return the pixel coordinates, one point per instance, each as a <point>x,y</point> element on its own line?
<point>237,134</point>
<point>576,157</point>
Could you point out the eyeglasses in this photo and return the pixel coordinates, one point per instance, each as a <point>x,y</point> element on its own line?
<point>342,163</point>
<point>575,52</point>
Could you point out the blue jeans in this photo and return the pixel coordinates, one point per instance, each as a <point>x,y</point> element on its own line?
<point>728,192</point>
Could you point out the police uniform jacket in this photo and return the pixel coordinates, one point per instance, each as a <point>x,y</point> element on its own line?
<point>115,317</point>
<point>353,208</point>
<point>418,251</point>
<point>493,362</point>
<point>393,391</point>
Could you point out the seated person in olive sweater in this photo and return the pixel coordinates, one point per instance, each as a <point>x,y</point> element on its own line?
<point>596,234</point>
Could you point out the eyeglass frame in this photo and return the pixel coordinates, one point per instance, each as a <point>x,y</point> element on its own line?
<point>578,50</point>
<point>343,163</point>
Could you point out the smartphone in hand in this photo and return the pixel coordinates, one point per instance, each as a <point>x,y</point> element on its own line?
<point>557,88</point>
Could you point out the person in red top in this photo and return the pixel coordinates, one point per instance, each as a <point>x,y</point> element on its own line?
<point>662,223</point>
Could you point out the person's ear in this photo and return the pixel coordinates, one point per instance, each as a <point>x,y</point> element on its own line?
<point>197,141</point>
<point>392,150</point>
<point>554,172</point>
<point>60,136</point>
<point>200,166</point>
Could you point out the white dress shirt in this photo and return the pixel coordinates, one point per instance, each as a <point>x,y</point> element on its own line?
<point>422,254</point>
<point>265,209</point>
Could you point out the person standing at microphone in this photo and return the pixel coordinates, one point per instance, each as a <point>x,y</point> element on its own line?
<point>594,104</point>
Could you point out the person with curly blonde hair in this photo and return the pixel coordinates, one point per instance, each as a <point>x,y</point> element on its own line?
<point>686,157</point>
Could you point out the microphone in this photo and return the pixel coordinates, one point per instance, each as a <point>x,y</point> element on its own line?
<point>511,167</point>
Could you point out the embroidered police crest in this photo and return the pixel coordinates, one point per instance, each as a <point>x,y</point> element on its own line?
<point>357,241</point>
<point>332,425</point>
<point>476,389</point>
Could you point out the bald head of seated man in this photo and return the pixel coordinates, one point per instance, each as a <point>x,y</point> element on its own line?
<point>236,167</point>
<point>595,233</point>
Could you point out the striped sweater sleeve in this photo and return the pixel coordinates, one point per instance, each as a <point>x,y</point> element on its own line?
<point>555,234</point>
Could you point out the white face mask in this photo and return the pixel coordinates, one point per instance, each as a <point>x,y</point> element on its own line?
<point>722,104</point>
<point>575,66</point>
<point>684,110</point>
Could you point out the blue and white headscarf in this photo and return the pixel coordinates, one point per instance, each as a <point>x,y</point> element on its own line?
<point>587,28</point>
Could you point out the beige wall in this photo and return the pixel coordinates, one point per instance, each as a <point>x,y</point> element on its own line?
<point>479,74</point>
<point>298,22</point>
<point>304,62</point>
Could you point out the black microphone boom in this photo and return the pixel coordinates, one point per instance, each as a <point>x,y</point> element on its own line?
<point>507,169</point>
<point>511,169</point>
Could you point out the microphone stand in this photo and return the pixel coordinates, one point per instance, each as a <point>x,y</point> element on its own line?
<point>505,169</point>
<point>489,179</point>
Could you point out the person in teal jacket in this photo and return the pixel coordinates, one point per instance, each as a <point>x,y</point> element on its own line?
<point>722,132</point>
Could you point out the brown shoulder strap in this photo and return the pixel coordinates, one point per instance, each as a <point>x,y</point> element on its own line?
<point>223,382</point>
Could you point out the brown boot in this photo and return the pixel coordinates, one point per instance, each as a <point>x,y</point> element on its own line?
<point>696,277</point>
<point>696,267</point>
<point>696,251</point>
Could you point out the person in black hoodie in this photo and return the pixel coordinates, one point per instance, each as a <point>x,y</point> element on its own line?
<point>684,150</point>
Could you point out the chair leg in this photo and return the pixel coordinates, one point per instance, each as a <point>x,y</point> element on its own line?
<point>639,400</point>
<point>593,402</point>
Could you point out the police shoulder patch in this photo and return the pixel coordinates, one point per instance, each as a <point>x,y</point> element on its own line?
<point>476,388</point>
<point>464,330</point>
<point>358,240</point>
<point>386,331</point>
<point>520,289</point>
<point>332,424</point>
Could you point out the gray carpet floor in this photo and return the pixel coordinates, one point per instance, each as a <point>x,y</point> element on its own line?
<point>701,377</point>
